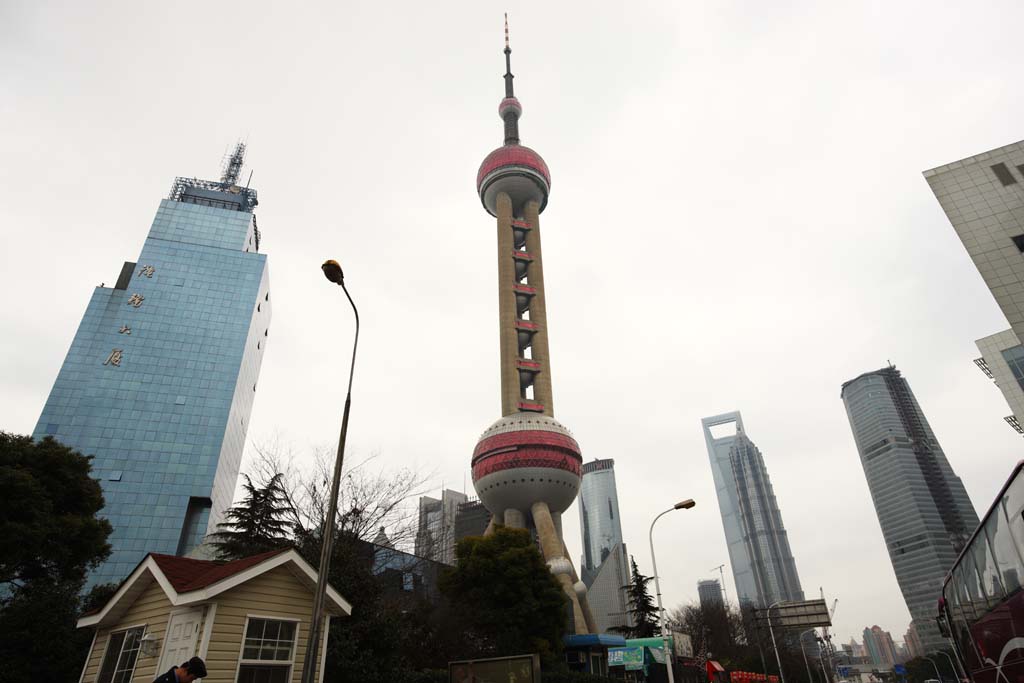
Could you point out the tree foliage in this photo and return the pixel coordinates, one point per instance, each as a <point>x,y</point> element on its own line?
<point>641,606</point>
<point>504,594</point>
<point>49,531</point>
<point>260,523</point>
<point>50,538</point>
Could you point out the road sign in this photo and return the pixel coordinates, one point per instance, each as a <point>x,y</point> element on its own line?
<point>899,669</point>
<point>795,615</point>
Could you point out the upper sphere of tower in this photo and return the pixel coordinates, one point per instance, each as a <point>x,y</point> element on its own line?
<point>516,170</point>
<point>510,105</point>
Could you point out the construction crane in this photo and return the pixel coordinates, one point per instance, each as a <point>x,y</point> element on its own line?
<point>721,572</point>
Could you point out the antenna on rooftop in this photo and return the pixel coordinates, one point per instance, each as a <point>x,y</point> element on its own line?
<point>233,165</point>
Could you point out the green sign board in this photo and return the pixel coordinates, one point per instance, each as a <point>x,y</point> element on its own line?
<point>630,657</point>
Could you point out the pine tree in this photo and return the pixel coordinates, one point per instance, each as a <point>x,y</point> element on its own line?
<point>256,525</point>
<point>641,606</point>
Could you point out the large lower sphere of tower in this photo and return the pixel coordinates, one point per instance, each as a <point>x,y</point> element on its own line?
<point>516,170</point>
<point>523,459</point>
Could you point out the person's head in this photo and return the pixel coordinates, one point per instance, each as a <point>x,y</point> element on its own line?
<point>191,670</point>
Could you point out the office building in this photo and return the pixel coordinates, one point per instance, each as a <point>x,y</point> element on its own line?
<point>709,591</point>
<point>880,648</point>
<point>762,563</point>
<point>983,198</point>
<point>599,513</point>
<point>435,535</point>
<point>913,643</point>
<point>526,466</point>
<point>161,375</point>
<point>471,519</point>
<point>922,506</point>
<point>1002,361</point>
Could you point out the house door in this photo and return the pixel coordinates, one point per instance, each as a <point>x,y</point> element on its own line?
<point>181,639</point>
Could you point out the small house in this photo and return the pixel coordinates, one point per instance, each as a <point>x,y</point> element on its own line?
<point>248,619</point>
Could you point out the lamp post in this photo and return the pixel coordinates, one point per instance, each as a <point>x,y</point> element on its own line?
<point>956,672</point>
<point>332,271</point>
<point>782,676</point>
<point>683,505</point>
<point>810,678</point>
<point>937,674</point>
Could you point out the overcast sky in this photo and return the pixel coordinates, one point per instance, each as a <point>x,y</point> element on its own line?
<point>737,222</point>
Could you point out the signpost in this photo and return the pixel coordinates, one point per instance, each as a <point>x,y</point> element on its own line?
<point>518,669</point>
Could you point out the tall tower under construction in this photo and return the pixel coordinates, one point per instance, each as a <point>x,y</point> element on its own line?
<point>526,466</point>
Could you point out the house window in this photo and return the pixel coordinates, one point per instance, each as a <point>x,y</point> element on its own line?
<point>268,651</point>
<point>1004,174</point>
<point>122,651</point>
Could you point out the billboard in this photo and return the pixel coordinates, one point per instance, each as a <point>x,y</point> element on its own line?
<point>682,645</point>
<point>518,669</point>
<point>795,615</point>
<point>630,657</point>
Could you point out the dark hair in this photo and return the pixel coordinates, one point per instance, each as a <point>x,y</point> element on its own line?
<point>195,666</point>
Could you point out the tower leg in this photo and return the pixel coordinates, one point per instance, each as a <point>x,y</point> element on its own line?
<point>514,519</point>
<point>554,549</point>
<point>491,524</point>
<point>588,615</point>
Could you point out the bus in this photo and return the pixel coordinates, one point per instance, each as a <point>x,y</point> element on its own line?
<point>982,604</point>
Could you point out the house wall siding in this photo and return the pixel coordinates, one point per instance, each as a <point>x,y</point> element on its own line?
<point>152,609</point>
<point>277,593</point>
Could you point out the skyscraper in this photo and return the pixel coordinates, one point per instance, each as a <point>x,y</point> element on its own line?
<point>983,197</point>
<point>599,513</point>
<point>922,506</point>
<point>160,378</point>
<point>605,563</point>
<point>709,591</point>
<point>1002,360</point>
<point>526,466</point>
<point>762,562</point>
<point>435,535</point>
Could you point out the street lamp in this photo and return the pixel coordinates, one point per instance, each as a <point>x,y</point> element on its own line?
<point>804,653</point>
<point>956,672</point>
<point>682,505</point>
<point>775,647</point>
<point>332,271</point>
<point>937,674</point>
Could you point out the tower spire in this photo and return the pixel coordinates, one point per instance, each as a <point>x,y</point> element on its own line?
<point>510,108</point>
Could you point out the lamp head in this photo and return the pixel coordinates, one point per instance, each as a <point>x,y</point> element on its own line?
<point>685,504</point>
<point>332,271</point>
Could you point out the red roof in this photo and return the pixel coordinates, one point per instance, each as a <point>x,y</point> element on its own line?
<point>186,574</point>
<point>512,155</point>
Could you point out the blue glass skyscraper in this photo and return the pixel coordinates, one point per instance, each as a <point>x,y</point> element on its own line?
<point>160,378</point>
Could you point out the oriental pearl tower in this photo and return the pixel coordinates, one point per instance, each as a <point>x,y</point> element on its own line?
<point>526,466</point>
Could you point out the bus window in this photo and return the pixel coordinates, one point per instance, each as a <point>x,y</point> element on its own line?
<point>972,599</point>
<point>1013,501</point>
<point>987,570</point>
<point>961,632</point>
<point>1008,561</point>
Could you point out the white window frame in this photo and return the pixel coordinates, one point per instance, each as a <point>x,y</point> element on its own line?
<point>267,662</point>
<point>106,648</point>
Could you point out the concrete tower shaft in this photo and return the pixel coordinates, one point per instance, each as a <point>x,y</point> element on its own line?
<point>526,466</point>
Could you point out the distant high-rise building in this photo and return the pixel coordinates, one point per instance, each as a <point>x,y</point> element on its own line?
<point>471,519</point>
<point>599,513</point>
<point>160,378</point>
<point>913,643</point>
<point>1002,360</point>
<point>605,563</point>
<point>922,506</point>
<point>983,198</point>
<point>435,534</point>
<point>762,562</point>
<point>880,648</point>
<point>710,592</point>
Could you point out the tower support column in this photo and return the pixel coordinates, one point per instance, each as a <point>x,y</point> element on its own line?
<point>553,548</point>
